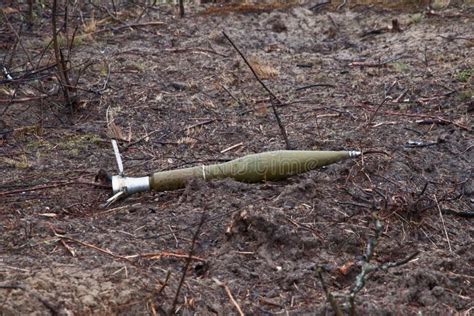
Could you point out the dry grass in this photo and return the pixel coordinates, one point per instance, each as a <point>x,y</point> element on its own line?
<point>262,69</point>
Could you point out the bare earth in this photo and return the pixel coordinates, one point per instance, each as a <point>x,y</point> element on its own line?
<point>182,83</point>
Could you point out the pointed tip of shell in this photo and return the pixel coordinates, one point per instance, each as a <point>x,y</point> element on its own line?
<point>354,153</point>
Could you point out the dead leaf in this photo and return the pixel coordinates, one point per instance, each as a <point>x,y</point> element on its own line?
<point>9,10</point>
<point>346,267</point>
<point>262,69</point>
<point>18,164</point>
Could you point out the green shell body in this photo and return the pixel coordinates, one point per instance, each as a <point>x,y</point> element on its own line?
<point>267,166</point>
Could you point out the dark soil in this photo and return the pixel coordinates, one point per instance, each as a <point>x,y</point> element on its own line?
<point>182,84</point>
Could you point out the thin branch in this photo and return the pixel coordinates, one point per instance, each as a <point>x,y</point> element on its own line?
<point>17,36</point>
<point>62,74</point>
<point>118,28</point>
<point>314,86</point>
<point>157,255</point>
<point>329,296</point>
<point>91,246</point>
<point>188,261</point>
<point>342,5</point>
<point>436,119</point>
<point>30,16</point>
<point>376,110</point>
<point>232,96</point>
<point>389,265</point>
<point>375,64</point>
<point>28,75</point>
<point>22,100</point>
<point>229,294</point>
<point>274,99</point>
<point>181,8</point>
<point>442,221</point>
<point>55,185</point>
<point>165,283</point>
<point>319,5</point>
<point>366,266</point>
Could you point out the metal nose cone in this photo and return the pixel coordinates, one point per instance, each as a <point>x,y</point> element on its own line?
<point>354,153</point>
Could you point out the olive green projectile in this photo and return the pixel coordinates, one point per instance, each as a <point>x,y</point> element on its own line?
<point>267,166</point>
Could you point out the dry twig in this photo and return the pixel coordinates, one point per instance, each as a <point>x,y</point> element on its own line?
<point>158,255</point>
<point>376,110</point>
<point>91,246</point>
<point>329,296</point>
<point>374,64</point>
<point>188,261</point>
<point>132,25</point>
<point>54,185</point>
<point>229,294</point>
<point>368,267</point>
<point>442,221</point>
<point>60,63</point>
<point>22,100</point>
<point>274,100</point>
<point>435,119</point>
<point>181,8</point>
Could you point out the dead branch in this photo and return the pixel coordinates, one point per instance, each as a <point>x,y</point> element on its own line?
<point>376,110</point>
<point>165,283</point>
<point>206,122</point>
<point>314,86</point>
<point>395,28</point>
<point>118,28</point>
<point>181,8</point>
<point>27,76</point>
<point>29,16</point>
<point>17,36</point>
<point>372,64</point>
<point>465,214</point>
<point>368,267</point>
<point>442,221</point>
<point>436,119</point>
<point>329,296</point>
<point>232,96</point>
<point>319,5</point>
<point>188,261</point>
<point>157,255</point>
<point>60,63</point>
<point>55,185</point>
<point>342,5</point>
<point>22,100</point>
<point>91,246</point>
<point>274,100</point>
<point>189,49</point>
<point>407,259</point>
<point>229,294</point>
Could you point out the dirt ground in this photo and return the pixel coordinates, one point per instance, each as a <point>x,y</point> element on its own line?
<point>177,94</point>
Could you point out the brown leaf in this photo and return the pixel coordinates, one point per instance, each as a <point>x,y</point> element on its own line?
<point>346,267</point>
<point>263,70</point>
<point>9,10</point>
